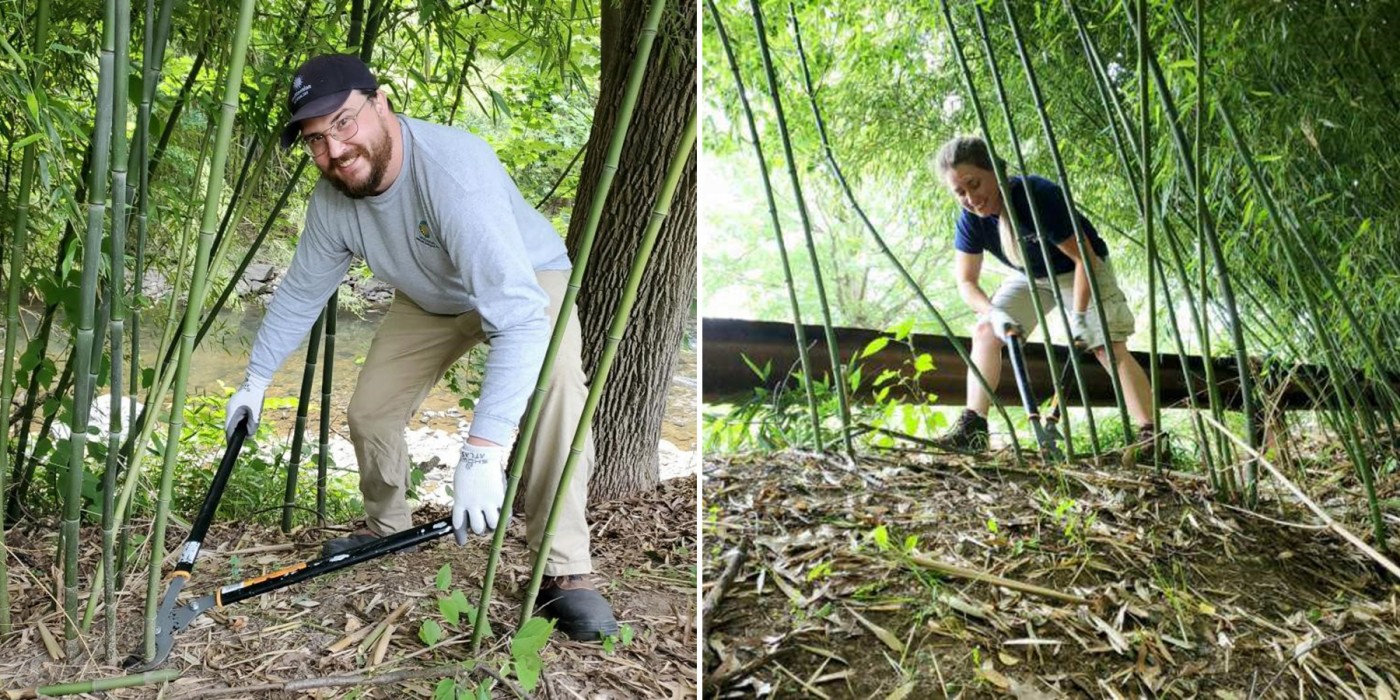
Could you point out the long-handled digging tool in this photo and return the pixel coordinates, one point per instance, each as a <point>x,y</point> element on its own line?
<point>1045,435</point>
<point>171,619</point>
<point>1057,402</point>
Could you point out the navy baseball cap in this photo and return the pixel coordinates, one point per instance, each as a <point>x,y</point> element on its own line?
<point>320,86</point>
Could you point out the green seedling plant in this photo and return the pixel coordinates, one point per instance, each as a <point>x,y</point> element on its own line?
<point>457,612</point>
<point>623,637</point>
<point>760,422</point>
<point>915,413</point>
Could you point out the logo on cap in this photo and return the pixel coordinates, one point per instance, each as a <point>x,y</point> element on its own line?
<point>299,90</point>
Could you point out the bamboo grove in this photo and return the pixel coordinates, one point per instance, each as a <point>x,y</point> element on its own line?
<point>1240,154</point>
<point>164,119</point>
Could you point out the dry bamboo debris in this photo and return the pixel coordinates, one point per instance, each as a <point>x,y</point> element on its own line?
<point>1297,492</point>
<point>1176,584</point>
<point>356,680</point>
<point>660,658</point>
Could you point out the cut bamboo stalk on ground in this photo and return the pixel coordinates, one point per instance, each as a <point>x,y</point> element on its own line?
<point>95,686</point>
<point>370,634</point>
<point>975,575</point>
<point>454,670</point>
<point>726,579</point>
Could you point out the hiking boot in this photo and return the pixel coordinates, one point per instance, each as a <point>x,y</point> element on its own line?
<point>358,538</point>
<point>577,608</point>
<point>1140,451</point>
<point>968,434</point>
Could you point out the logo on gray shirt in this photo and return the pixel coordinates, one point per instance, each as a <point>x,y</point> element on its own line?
<point>425,235</point>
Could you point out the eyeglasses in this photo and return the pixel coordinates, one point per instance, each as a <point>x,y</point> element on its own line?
<point>342,130</point>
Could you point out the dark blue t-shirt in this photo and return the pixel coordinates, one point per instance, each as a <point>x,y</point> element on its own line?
<point>979,234</point>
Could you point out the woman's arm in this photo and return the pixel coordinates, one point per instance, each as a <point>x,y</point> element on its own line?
<point>1070,248</point>
<point>967,269</point>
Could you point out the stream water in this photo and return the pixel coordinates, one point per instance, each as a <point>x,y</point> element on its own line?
<point>221,360</point>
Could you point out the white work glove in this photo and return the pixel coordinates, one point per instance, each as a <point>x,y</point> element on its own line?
<point>1082,336</point>
<point>247,401</point>
<point>1001,322</point>
<point>478,489</point>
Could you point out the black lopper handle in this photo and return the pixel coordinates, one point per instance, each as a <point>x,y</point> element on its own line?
<point>1023,379</point>
<point>211,501</point>
<point>302,571</point>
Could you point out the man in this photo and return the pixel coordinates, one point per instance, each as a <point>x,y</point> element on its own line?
<point>432,211</point>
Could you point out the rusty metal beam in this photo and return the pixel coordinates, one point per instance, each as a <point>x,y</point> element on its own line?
<point>725,377</point>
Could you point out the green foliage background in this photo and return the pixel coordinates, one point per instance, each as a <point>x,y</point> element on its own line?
<point>522,75</point>
<point>1313,86</point>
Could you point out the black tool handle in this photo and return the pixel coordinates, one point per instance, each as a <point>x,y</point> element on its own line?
<point>211,501</point>
<point>302,571</point>
<point>1023,379</point>
<point>1062,389</point>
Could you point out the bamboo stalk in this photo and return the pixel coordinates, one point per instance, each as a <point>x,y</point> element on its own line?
<point>1044,249</point>
<point>327,374</point>
<point>799,331</point>
<point>116,298</point>
<point>157,31</point>
<point>715,597</point>
<point>566,305</point>
<point>838,378</point>
<point>97,685</point>
<point>1052,145</point>
<point>233,83</point>
<point>604,366</point>
<point>82,399</point>
<point>19,242</point>
<point>308,380</point>
<point>1145,122</point>
<point>913,284</point>
<point>984,577</point>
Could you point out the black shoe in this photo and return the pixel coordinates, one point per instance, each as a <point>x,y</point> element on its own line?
<point>968,434</point>
<point>358,538</point>
<point>578,610</point>
<point>1148,439</point>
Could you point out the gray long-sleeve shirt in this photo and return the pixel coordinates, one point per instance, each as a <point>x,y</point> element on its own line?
<point>452,233</point>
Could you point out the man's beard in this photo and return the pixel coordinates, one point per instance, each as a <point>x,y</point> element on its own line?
<point>378,159</point>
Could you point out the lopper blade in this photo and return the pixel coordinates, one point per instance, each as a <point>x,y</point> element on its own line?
<point>169,621</point>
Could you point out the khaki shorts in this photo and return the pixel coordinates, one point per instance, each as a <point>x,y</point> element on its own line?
<point>1014,297</point>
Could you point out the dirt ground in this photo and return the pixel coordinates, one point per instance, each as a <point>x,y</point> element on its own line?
<point>1147,587</point>
<point>644,556</point>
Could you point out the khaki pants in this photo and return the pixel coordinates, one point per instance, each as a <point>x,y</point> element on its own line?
<point>411,352</point>
<point>1014,297</point>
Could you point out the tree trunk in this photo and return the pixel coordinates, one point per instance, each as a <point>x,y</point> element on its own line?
<point>627,425</point>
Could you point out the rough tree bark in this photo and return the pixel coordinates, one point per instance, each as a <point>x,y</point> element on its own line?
<point>627,425</point>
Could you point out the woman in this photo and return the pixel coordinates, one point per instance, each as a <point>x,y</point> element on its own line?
<point>965,166</point>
